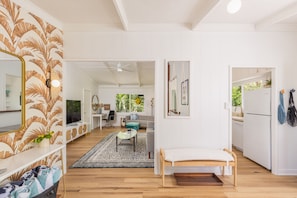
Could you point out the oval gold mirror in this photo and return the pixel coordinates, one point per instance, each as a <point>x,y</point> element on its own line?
<point>12,89</point>
<point>95,103</point>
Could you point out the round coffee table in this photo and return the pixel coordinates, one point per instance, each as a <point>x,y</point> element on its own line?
<point>127,135</point>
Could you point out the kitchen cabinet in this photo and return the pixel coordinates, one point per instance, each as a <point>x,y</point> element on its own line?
<point>237,133</point>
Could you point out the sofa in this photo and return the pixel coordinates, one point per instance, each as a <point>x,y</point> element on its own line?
<point>143,120</point>
<point>150,139</point>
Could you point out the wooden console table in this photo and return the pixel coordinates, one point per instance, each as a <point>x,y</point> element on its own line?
<point>24,159</point>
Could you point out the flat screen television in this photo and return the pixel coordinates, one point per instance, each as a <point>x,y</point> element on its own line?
<point>73,111</point>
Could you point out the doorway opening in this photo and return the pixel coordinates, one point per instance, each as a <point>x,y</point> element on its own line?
<point>110,77</point>
<point>245,81</point>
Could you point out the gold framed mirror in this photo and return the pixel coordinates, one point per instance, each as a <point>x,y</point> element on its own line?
<point>12,92</point>
<point>95,102</point>
<point>177,89</point>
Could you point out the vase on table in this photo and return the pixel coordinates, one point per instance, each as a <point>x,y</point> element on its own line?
<point>44,143</point>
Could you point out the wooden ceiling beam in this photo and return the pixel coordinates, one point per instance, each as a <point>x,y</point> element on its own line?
<point>118,4</point>
<point>284,14</point>
<point>203,11</point>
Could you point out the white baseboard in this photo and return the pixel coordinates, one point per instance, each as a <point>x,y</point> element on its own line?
<point>287,172</point>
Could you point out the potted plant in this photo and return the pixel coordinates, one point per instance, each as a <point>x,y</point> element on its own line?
<point>43,139</point>
<point>268,83</point>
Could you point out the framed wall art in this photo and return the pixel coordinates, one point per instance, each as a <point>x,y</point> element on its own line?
<point>185,92</point>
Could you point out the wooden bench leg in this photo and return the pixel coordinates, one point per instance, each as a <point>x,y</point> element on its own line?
<point>163,174</point>
<point>162,168</point>
<point>235,175</point>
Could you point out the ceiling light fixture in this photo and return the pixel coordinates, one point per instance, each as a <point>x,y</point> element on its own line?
<point>233,6</point>
<point>119,67</point>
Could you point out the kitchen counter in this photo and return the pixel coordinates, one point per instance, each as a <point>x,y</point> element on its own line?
<point>237,118</point>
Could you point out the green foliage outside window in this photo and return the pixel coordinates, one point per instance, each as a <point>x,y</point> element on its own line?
<point>254,85</point>
<point>236,96</point>
<point>129,103</point>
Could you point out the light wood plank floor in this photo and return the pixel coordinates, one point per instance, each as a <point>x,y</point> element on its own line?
<point>253,180</point>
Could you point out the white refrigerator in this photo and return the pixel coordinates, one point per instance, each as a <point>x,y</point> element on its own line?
<point>257,126</point>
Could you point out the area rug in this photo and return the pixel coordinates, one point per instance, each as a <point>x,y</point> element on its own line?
<point>104,155</point>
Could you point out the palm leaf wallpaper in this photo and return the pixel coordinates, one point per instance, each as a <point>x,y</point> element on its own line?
<point>41,46</point>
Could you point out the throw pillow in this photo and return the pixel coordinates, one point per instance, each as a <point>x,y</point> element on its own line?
<point>134,116</point>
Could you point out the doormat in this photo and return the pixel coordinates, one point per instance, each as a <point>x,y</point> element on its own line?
<point>197,179</point>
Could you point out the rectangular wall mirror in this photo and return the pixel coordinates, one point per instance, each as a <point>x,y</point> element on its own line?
<point>177,89</point>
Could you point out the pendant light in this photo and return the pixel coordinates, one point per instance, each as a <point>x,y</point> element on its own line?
<point>233,6</point>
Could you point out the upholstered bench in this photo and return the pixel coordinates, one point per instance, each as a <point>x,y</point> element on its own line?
<point>132,125</point>
<point>198,157</point>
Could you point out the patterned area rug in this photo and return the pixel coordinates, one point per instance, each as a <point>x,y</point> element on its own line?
<point>104,155</point>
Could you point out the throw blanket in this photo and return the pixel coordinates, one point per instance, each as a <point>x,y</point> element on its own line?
<point>32,183</point>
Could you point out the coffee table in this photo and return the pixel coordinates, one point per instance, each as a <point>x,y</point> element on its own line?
<point>130,134</point>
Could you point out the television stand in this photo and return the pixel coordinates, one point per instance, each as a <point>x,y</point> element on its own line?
<point>76,130</point>
<point>72,124</point>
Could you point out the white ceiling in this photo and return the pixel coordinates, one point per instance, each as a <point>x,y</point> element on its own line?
<point>173,15</point>
<point>134,73</point>
<point>139,15</point>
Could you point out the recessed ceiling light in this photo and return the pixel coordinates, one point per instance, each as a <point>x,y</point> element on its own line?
<point>233,6</point>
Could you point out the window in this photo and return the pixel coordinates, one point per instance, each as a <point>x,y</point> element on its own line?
<point>255,85</point>
<point>129,103</point>
<point>236,100</point>
<point>236,96</point>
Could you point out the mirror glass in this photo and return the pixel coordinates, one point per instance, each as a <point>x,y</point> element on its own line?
<point>12,89</point>
<point>95,103</point>
<point>177,89</point>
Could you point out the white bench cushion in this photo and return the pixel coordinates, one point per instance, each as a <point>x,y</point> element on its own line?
<point>185,154</point>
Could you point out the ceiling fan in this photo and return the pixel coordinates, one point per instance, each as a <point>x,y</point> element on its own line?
<point>120,68</point>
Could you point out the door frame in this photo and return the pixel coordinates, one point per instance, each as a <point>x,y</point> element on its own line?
<point>274,97</point>
<point>87,97</point>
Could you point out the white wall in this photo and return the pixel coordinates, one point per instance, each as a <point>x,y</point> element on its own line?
<point>74,82</point>
<point>210,54</point>
<point>107,95</point>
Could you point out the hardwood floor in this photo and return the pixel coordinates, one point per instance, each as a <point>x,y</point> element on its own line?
<point>253,180</point>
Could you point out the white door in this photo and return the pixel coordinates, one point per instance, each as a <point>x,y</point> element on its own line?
<point>87,107</point>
